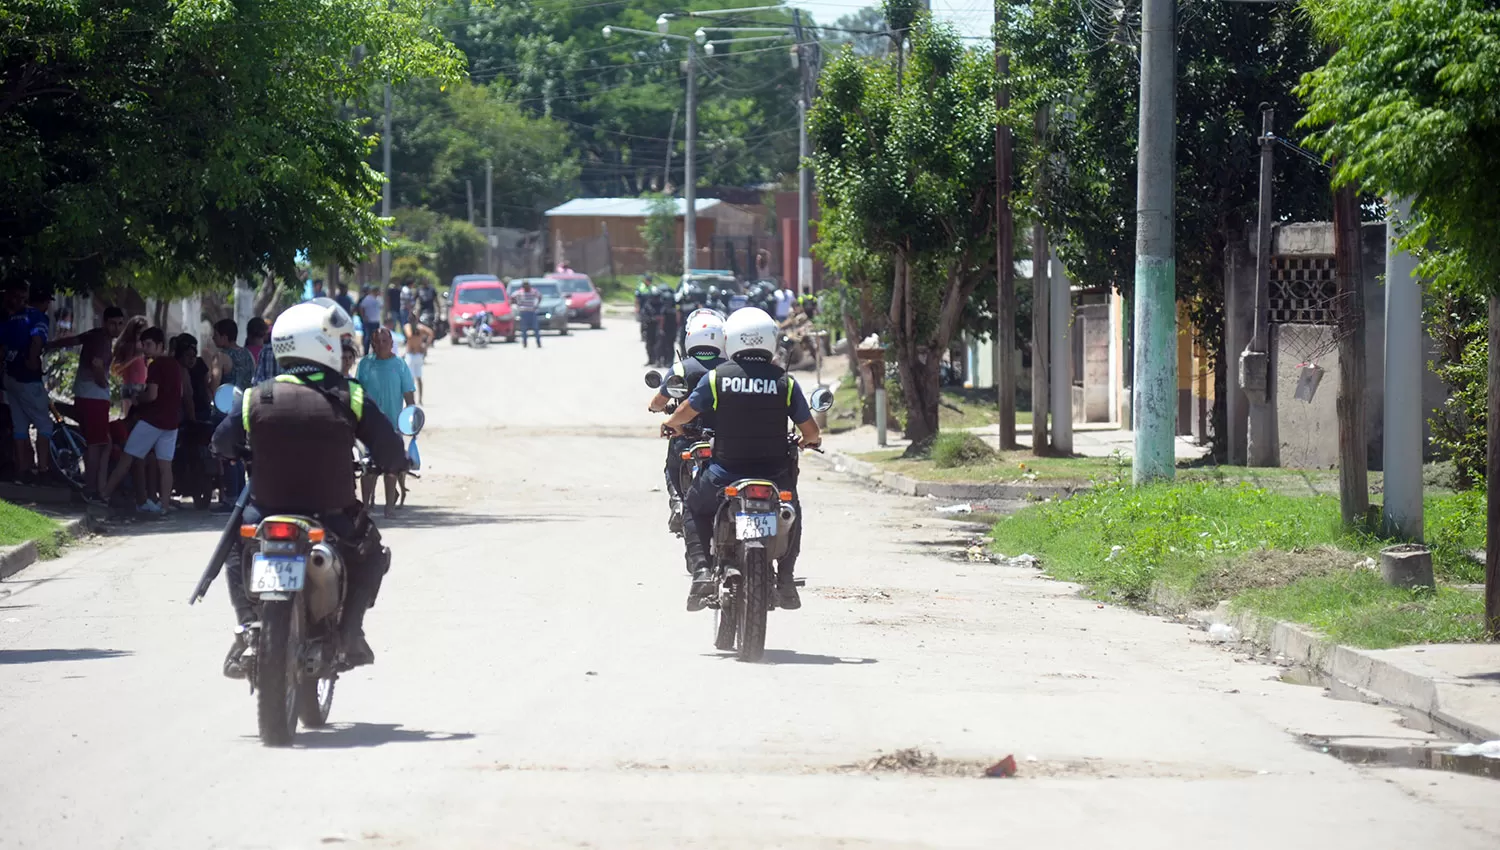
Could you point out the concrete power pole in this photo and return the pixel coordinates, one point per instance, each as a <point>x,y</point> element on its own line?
<point>1154,404</point>
<point>690,166</point>
<point>489,217</point>
<point>804,153</point>
<point>1005,262</point>
<point>469,184</point>
<point>385,209</point>
<point>1402,451</point>
<point>1354,483</point>
<point>1255,362</point>
<point>1040,306</point>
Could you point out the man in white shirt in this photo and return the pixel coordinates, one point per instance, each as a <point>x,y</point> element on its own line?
<point>369,312</point>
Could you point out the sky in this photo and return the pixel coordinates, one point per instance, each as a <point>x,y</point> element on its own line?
<point>972,17</point>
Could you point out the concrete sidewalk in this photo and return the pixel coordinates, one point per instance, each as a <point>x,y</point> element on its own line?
<point>1088,441</point>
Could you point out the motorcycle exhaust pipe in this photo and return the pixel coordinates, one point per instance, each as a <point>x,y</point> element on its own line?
<point>322,556</point>
<point>788,514</point>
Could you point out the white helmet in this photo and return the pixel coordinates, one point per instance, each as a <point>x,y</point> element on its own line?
<point>750,332</point>
<point>705,333</point>
<point>309,333</point>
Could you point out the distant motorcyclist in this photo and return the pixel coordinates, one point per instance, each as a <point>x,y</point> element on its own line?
<point>705,351</point>
<point>427,304</point>
<point>752,398</point>
<point>301,429</point>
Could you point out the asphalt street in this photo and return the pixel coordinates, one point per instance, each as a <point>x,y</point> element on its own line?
<point>540,685</point>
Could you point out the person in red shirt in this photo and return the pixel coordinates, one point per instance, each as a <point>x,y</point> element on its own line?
<point>156,430</point>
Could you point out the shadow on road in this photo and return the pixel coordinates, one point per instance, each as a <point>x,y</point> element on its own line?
<point>787,656</point>
<point>352,735</point>
<point>41,656</point>
<point>422,516</point>
<point>1484,677</point>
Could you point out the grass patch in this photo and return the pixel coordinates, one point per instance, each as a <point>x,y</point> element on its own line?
<point>1358,608</point>
<point>18,525</point>
<point>1195,543</point>
<point>1003,467</point>
<point>621,290</point>
<point>959,409</point>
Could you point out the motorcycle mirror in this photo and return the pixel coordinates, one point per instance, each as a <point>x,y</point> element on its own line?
<point>821,399</point>
<point>676,386</point>
<point>225,398</point>
<point>411,420</point>
<point>653,379</point>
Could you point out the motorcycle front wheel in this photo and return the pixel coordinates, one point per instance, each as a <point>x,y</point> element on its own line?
<point>753,602</point>
<point>276,672</point>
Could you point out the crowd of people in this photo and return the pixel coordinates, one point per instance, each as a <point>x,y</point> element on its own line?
<point>143,402</point>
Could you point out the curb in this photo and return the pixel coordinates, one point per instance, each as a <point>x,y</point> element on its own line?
<point>905,485</point>
<point>13,559</point>
<point>1355,668</point>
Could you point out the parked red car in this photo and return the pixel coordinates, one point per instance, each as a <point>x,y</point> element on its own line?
<point>585,307</point>
<point>472,293</point>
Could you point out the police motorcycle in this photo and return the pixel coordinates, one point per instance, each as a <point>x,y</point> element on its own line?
<point>752,528</point>
<point>695,454</point>
<point>295,576</point>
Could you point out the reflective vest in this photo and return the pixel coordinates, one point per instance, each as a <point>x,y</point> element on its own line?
<point>302,440</point>
<point>753,402</point>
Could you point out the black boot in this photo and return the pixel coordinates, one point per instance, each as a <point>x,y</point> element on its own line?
<point>357,651</point>
<point>702,589</point>
<point>786,589</point>
<point>233,665</point>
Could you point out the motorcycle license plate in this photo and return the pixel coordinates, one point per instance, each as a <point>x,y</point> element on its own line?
<point>277,575</point>
<point>754,526</point>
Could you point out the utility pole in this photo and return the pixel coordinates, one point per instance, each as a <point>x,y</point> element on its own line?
<point>489,217</point>
<point>666,174</point>
<point>385,211</point>
<point>804,153</point>
<point>470,185</point>
<point>1041,304</point>
<point>1354,482</point>
<point>1060,337</point>
<point>1402,449</point>
<point>1255,362</point>
<point>1005,262</point>
<point>1154,404</point>
<point>690,169</point>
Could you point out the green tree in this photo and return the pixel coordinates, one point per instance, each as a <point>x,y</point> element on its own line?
<point>1409,106</point>
<point>904,155</point>
<point>660,235</point>
<point>177,144</point>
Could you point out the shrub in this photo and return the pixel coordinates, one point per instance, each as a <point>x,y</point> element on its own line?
<point>960,448</point>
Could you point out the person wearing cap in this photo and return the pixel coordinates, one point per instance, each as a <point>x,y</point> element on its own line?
<point>23,338</point>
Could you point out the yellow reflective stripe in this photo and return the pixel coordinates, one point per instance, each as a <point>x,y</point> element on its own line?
<point>245,410</point>
<point>357,400</point>
<point>713,383</point>
<point>791,384</point>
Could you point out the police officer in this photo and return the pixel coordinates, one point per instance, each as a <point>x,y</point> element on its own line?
<point>666,336</point>
<point>751,398</point>
<point>648,312</point>
<point>705,351</point>
<point>300,428</point>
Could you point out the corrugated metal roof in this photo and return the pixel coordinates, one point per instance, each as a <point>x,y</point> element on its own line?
<point>623,207</point>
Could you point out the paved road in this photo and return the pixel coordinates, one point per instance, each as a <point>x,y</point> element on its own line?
<point>539,684</point>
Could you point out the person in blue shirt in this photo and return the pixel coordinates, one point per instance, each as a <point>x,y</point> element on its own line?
<point>387,382</point>
<point>24,337</point>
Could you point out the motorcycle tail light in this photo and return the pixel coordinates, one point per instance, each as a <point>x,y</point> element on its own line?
<point>247,531</point>
<point>702,453</point>
<point>687,455</point>
<point>786,495</point>
<point>279,531</point>
<point>760,492</point>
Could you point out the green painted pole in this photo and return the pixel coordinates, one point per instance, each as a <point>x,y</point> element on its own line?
<point>1154,402</point>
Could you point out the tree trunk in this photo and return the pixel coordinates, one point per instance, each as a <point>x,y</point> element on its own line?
<point>1492,482</point>
<point>919,386</point>
<point>1354,483</point>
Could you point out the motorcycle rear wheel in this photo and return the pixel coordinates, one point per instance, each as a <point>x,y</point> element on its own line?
<point>753,602</point>
<point>276,672</point>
